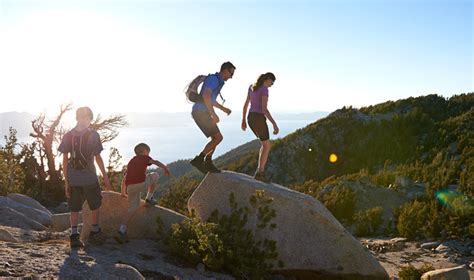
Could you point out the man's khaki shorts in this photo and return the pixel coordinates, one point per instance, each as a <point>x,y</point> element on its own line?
<point>134,190</point>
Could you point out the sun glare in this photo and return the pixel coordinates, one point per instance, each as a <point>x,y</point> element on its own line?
<point>87,59</point>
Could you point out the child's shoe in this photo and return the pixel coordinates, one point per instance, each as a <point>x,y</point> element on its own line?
<point>121,237</point>
<point>150,202</point>
<point>75,241</point>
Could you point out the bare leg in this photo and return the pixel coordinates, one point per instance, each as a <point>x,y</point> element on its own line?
<point>211,146</point>
<point>73,219</point>
<point>154,181</point>
<point>263,155</point>
<point>95,216</point>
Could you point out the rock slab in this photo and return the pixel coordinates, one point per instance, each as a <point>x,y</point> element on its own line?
<point>310,241</point>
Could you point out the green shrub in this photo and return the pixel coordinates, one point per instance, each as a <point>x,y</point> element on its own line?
<point>368,222</point>
<point>411,219</point>
<point>12,175</point>
<point>224,242</point>
<point>177,196</point>
<point>340,201</point>
<point>409,272</point>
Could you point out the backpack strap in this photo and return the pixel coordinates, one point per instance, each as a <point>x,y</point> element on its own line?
<point>220,95</point>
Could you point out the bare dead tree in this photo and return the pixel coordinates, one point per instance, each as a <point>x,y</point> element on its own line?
<point>46,134</point>
<point>108,128</point>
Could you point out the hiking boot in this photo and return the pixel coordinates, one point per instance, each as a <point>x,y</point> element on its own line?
<point>211,167</point>
<point>260,176</point>
<point>75,241</point>
<point>97,238</point>
<point>198,162</point>
<point>121,237</point>
<point>150,202</point>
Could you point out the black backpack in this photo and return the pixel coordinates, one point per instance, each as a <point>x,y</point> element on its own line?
<point>79,153</point>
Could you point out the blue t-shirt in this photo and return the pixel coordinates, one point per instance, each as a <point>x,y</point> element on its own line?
<point>213,82</point>
<point>93,147</point>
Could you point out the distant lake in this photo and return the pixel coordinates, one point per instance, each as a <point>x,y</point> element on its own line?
<point>169,143</point>
<point>174,136</point>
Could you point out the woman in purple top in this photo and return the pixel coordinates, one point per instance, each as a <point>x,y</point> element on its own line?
<point>257,119</point>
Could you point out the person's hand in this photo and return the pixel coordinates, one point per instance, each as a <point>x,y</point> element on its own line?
<point>243,125</point>
<point>227,110</point>
<point>215,118</point>
<point>123,194</point>
<point>166,171</point>
<point>67,191</point>
<point>275,129</point>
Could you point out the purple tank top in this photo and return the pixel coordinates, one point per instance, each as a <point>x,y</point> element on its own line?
<point>256,98</point>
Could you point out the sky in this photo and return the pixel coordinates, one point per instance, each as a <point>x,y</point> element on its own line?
<point>138,56</point>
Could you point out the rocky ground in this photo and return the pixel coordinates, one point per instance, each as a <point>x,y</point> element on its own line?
<point>43,254</point>
<point>397,252</point>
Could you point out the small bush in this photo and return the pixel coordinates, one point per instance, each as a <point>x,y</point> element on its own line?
<point>177,196</point>
<point>340,201</point>
<point>368,222</point>
<point>409,272</point>
<point>224,243</point>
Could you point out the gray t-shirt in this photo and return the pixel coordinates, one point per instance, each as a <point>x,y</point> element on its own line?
<point>92,147</point>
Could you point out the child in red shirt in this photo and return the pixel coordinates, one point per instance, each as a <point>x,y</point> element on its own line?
<point>136,181</point>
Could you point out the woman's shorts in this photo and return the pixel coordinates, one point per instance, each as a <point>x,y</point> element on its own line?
<point>258,124</point>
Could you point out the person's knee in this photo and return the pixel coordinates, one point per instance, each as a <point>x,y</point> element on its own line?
<point>154,177</point>
<point>266,144</point>
<point>218,138</point>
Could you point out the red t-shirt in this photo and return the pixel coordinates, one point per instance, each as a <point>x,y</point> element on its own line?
<point>136,169</point>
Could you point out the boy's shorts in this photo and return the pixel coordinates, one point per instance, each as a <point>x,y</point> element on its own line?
<point>134,190</point>
<point>205,123</point>
<point>79,194</point>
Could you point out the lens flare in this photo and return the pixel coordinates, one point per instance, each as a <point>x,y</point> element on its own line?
<point>454,200</point>
<point>332,158</point>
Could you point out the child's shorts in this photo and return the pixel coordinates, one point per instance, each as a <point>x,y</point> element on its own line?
<point>134,190</point>
<point>79,194</point>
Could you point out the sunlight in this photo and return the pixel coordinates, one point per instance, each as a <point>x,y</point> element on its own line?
<point>76,56</point>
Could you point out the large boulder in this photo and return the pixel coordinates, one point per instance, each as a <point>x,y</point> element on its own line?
<point>454,273</point>
<point>60,222</point>
<point>39,216</point>
<point>142,224</point>
<point>311,243</point>
<point>12,218</point>
<point>28,201</point>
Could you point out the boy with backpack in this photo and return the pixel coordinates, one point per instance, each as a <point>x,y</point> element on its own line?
<point>206,118</point>
<point>137,181</point>
<point>83,145</point>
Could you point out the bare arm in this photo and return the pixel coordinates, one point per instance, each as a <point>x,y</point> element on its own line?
<point>100,163</point>
<point>268,115</point>
<point>244,112</point>
<point>161,165</point>
<point>123,187</point>
<point>67,190</point>
<point>221,107</point>
<point>208,102</point>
